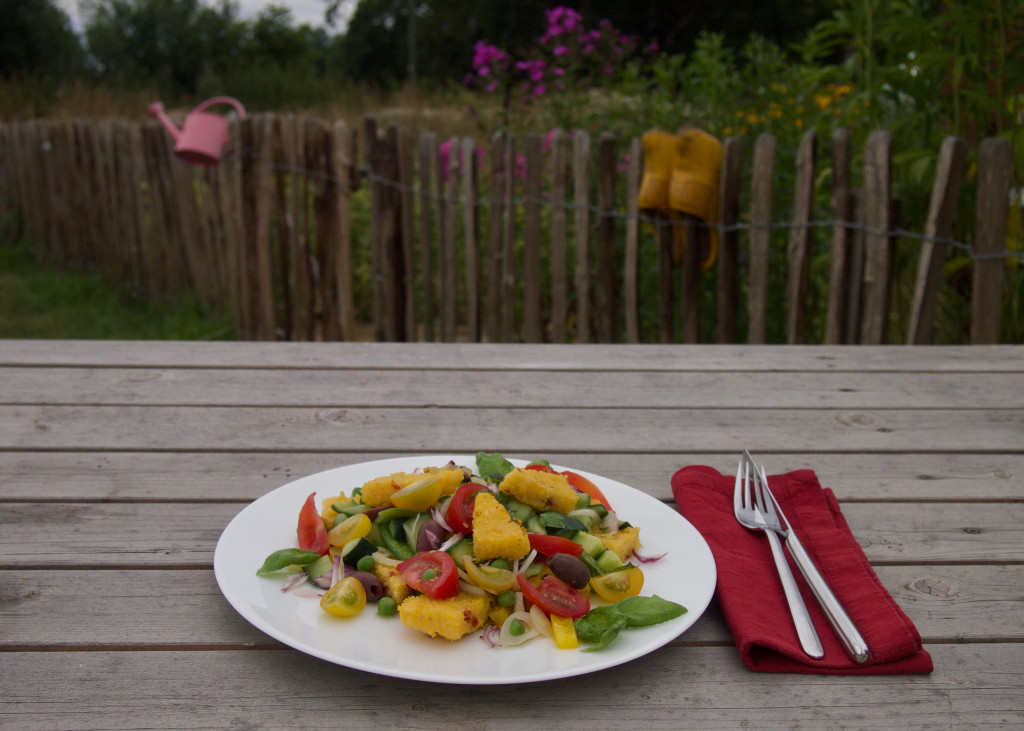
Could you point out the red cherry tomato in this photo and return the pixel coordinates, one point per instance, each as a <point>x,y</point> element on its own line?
<point>582,484</point>
<point>540,468</point>
<point>554,596</point>
<point>460,510</point>
<point>432,573</point>
<point>311,530</point>
<point>550,545</point>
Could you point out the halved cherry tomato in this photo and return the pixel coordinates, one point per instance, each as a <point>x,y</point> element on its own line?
<point>432,573</point>
<point>460,510</point>
<point>487,577</point>
<point>345,599</point>
<point>311,530</point>
<point>357,526</point>
<point>550,545</point>
<point>578,481</point>
<point>582,484</point>
<point>419,495</point>
<point>617,585</point>
<point>554,596</point>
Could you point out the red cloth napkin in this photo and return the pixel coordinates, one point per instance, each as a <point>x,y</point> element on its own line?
<point>758,614</point>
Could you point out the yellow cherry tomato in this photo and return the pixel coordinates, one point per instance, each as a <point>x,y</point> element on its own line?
<point>345,599</point>
<point>489,578</point>
<point>358,526</point>
<point>618,585</point>
<point>564,631</point>
<point>420,495</point>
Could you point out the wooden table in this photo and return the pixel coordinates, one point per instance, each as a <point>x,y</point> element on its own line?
<point>122,462</point>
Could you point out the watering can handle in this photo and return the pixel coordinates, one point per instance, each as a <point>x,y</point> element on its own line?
<point>222,100</point>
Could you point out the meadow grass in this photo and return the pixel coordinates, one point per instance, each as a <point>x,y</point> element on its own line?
<point>42,302</point>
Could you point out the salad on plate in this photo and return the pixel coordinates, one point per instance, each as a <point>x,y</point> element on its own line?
<point>512,553</point>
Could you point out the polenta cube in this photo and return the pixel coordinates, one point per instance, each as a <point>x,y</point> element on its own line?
<point>623,542</point>
<point>394,585</point>
<point>448,618</point>
<point>495,534</point>
<point>378,491</point>
<point>540,490</point>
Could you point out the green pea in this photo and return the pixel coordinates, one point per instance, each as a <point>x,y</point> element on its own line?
<point>386,606</point>
<point>429,574</point>
<point>507,598</point>
<point>516,628</point>
<point>366,563</point>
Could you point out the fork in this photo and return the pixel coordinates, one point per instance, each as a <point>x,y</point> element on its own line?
<point>751,514</point>
<point>840,620</point>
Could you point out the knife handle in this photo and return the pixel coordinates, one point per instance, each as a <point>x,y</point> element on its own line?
<point>809,640</point>
<point>840,620</point>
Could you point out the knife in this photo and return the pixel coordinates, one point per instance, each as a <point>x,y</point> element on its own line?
<point>844,626</point>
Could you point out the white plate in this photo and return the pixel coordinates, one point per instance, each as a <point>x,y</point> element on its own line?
<point>368,642</point>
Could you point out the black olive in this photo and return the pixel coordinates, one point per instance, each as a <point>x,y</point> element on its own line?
<point>430,536</point>
<point>569,569</point>
<point>371,584</point>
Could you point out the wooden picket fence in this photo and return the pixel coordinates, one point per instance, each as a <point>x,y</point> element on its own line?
<point>512,242</point>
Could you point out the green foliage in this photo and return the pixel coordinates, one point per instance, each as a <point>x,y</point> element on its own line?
<point>36,40</point>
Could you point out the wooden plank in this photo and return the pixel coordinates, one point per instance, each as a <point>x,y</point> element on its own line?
<point>728,240</point>
<point>374,162</point>
<point>799,252</point>
<point>949,175</point>
<point>428,155</point>
<point>317,162</point>
<point>86,690</point>
<point>581,272</point>
<point>947,603</point>
<point>607,300</point>
<point>664,232</point>
<point>995,163</point>
<point>471,238</point>
<point>490,356</point>
<point>116,535</point>
<point>760,236</point>
<point>600,388</point>
<point>557,262</point>
<point>495,225</point>
<point>244,475</point>
<point>533,330</point>
<point>839,270</point>
<point>283,126</point>
<point>695,238</point>
<point>877,242</point>
<point>202,428</point>
<point>631,264</point>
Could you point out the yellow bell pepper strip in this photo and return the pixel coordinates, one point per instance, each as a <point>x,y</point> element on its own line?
<point>564,632</point>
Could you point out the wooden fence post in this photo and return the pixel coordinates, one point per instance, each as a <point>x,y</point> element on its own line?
<point>407,210</point>
<point>799,253</point>
<point>508,256</point>
<point>728,239</point>
<point>995,160</point>
<point>878,247</point>
<point>532,275</point>
<point>428,291</point>
<point>949,174</point>
<point>760,235</point>
<point>471,238</point>
<point>631,267</point>
<point>449,272</point>
<point>495,224</point>
<point>608,292</point>
<point>559,236</point>
<point>581,195</point>
<point>840,207</point>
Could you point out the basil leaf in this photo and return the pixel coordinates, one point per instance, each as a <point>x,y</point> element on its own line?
<point>286,557</point>
<point>541,462</point>
<point>555,521</point>
<point>644,611</point>
<point>492,466</point>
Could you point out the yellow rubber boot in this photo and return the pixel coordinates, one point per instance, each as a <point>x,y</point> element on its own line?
<point>659,159</point>
<point>694,185</point>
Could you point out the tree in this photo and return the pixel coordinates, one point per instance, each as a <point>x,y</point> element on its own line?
<point>36,40</point>
<point>163,42</point>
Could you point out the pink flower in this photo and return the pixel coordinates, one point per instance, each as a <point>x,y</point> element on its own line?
<point>561,51</point>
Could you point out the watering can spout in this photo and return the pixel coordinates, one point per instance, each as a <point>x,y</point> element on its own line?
<point>204,136</point>
<point>156,109</point>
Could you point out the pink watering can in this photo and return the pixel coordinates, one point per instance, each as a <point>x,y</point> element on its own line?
<point>203,137</point>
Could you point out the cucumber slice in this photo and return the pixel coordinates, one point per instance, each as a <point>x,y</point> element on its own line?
<point>591,544</point>
<point>355,549</point>
<point>323,565</point>
<point>460,549</point>
<point>609,560</point>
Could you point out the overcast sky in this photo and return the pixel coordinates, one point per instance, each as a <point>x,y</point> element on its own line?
<point>310,12</point>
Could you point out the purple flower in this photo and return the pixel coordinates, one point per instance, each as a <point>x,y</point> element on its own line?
<point>561,51</point>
